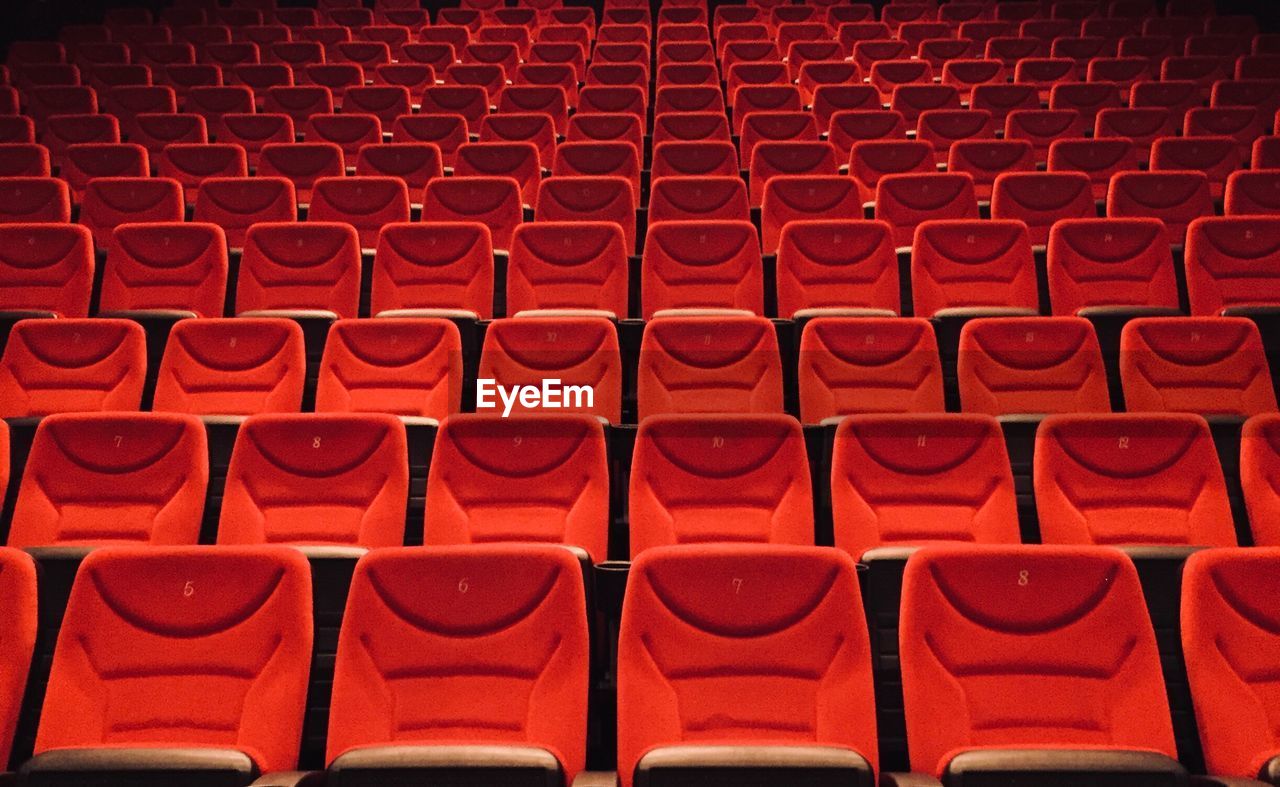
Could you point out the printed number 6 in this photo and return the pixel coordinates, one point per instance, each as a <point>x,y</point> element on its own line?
<point>188,590</point>
<point>463,587</point>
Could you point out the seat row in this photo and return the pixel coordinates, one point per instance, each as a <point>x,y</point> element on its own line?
<point>444,647</point>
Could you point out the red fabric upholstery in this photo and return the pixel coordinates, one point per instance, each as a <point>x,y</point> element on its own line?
<point>701,264</point>
<point>440,264</point>
<point>709,364</point>
<point>403,366</point>
<point>72,365</point>
<point>568,265</point>
<point>46,267</point>
<point>233,366</point>
<point>179,266</point>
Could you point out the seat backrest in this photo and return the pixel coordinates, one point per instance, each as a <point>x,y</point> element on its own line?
<point>72,365</point>
<point>568,265</point>
<point>904,201</point>
<point>1110,262</point>
<point>236,204</point>
<point>967,264</point>
<point>26,200</point>
<point>1251,193</point>
<point>868,365</point>
<point>500,628</point>
<point>317,479</point>
<point>312,265</point>
<point>1206,365</point>
<point>437,264</point>
<point>212,648</point>
<point>581,352</point>
<point>790,197</point>
<point>1137,479</point>
<point>1031,365</point>
<point>791,665</point>
<point>595,159</point>
<point>110,202</point>
<point>181,266</point>
<point>1228,621</point>
<point>976,623</point>
<point>1041,199</point>
<point>18,591</point>
<point>232,366</point>
<point>916,479</point>
<point>46,267</point>
<point>1231,262</point>
<point>709,364</point>
<point>518,160</point>
<point>95,479</point>
<point>303,163</point>
<point>492,201</point>
<point>701,264</point>
<point>192,163</point>
<point>1176,198</point>
<point>602,198</point>
<point>415,163</point>
<point>486,470</point>
<point>715,478</point>
<point>403,366</point>
<point>367,203</point>
<point>838,263</point>
<point>1259,472</point>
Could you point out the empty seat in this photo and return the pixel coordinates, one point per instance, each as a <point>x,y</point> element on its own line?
<point>46,269</point>
<point>772,666</point>
<point>24,160</point>
<point>447,132</point>
<point>350,132</point>
<point>709,364</point>
<point>1100,159</point>
<point>972,265</point>
<point>1108,263</point>
<point>1087,98</point>
<point>213,102</point>
<point>773,98</point>
<point>1178,96</point>
<point>836,265</point>
<point>701,265</point>
<point>408,367</point>
<point>94,479</point>
<point>944,127</point>
<point>1176,198</point>
<point>871,160</point>
<point>604,198</point>
<point>1141,125</point>
<point>1206,365</point>
<point>255,131</point>
<point>848,127</point>
<point>18,589</point>
<point>303,163</point>
<point>1230,265</point>
<point>965,643</point>
<point>694,159</point>
<point>232,366</point>
<point>868,365</point>
<point>1216,157</point>
<point>1243,124</point>
<point>1041,199</point>
<point>613,99</point>
<point>716,478</point>
<point>986,160</point>
<point>83,162</point>
<point>691,127</point>
<point>59,132</point>
<point>596,159</point>
<point>492,201</point>
<point>366,203</point>
<point>385,102</point>
<point>760,127</point>
<point>72,365</point>
<point>192,164</point>
<point>415,163</point>
<point>830,99</point>
<point>1032,366</point>
<point>236,204</point>
<point>887,491</point>
<point>519,160</point>
<point>904,201</point>
<point>791,197</point>
<point>473,492</point>
<point>1130,479</point>
<point>469,101</point>
<point>770,158</point>
<point>914,100</point>
<point>235,653</point>
<point>290,266</point>
<point>1001,99</point>
<point>1252,193</point>
<point>109,202</point>
<point>317,479</point>
<point>169,267</point>
<point>474,618</point>
<point>568,265</point>
<point>536,128</point>
<point>438,265</point>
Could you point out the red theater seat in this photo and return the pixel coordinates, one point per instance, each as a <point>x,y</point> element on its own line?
<point>236,204</point>
<point>776,697</point>
<point>406,366</point>
<point>519,160</point>
<point>849,127</point>
<point>709,364</point>
<point>71,365</point>
<point>836,265</point>
<point>1141,125</point>
<point>1042,199</point>
<point>1136,479</point>
<point>510,127</point>
<point>492,201</point>
<point>109,202</point>
<point>1110,262</point>
<point>447,132</point>
<point>886,491</point>
<point>350,132</point>
<point>795,158</point>
<point>84,162</point>
<point>972,265</point>
<point>192,164</point>
<point>791,197</point>
<point>1252,193</point>
<point>46,270</point>
<point>317,480</point>
<point>415,163</point>
<point>479,492</point>
<point>904,201</point>
<point>597,159</point>
<point>701,265</point>
<point>1231,264</point>
<point>871,160</point>
<point>1216,157</point>
<point>965,642</point>
<point>514,652</point>
<point>1032,366</point>
<point>583,351</point>
<point>168,267</point>
<point>34,200</point>
<point>366,203</point>
<point>18,589</point>
<point>604,198</point>
<point>986,160</point>
<point>254,131</point>
<point>469,101</point>
<point>303,163</point>
<point>1176,198</point>
<point>568,266</point>
<point>233,366</point>
<point>717,478</point>
<point>290,266</point>
<point>96,479</point>
<point>438,265</point>
<point>868,365</point>
<point>233,671</point>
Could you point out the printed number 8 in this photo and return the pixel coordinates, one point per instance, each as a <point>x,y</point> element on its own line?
<point>1024,578</point>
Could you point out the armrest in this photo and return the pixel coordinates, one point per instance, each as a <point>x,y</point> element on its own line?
<point>1127,311</point>
<point>843,311</point>
<point>694,766</point>
<point>703,312</point>
<point>1225,781</point>
<point>144,315</point>
<point>293,314</point>
<point>291,779</point>
<point>13,315</point>
<point>971,312</point>
<point>605,313</point>
<point>72,553</point>
<point>331,551</point>
<point>981,768</point>
<point>596,779</point>
<point>189,767</point>
<point>908,780</point>
<point>895,554</point>
<point>1177,554</point>
<point>464,766</point>
<point>1255,310</point>
<point>448,314</point>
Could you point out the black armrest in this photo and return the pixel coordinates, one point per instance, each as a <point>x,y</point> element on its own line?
<point>596,779</point>
<point>1176,554</point>
<point>151,315</point>
<point>1225,781</point>
<point>1062,768</point>
<point>457,766</point>
<point>70,553</point>
<point>1256,310</point>
<point>908,780</point>
<point>291,779</point>
<point>13,315</point>
<point>695,766</point>
<point>125,767</point>
<point>1127,311</point>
